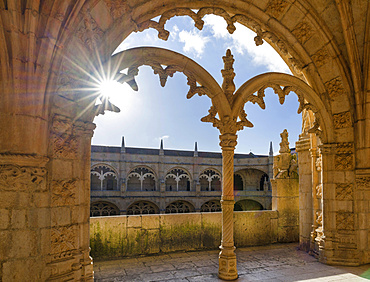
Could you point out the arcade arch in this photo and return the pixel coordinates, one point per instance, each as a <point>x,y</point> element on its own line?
<point>291,41</point>
<point>102,208</point>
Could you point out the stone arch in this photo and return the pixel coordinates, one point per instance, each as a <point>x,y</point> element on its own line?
<point>247,205</point>
<point>141,178</point>
<point>103,208</point>
<point>178,179</point>
<point>210,180</point>
<point>142,207</point>
<point>103,177</point>
<point>211,206</point>
<point>238,182</point>
<point>180,207</point>
<point>251,178</point>
<point>289,41</point>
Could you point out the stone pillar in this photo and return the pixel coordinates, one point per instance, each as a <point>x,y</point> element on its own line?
<point>285,193</point>
<point>305,192</point>
<point>227,258</point>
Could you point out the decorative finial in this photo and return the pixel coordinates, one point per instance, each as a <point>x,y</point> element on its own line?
<point>228,74</point>
<point>123,148</point>
<point>161,152</point>
<point>196,149</point>
<point>284,144</point>
<point>271,153</point>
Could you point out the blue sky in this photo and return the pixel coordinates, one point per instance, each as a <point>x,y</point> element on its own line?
<point>155,113</point>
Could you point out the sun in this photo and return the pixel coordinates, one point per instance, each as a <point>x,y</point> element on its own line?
<point>110,88</point>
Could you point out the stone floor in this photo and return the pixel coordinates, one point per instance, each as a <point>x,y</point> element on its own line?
<point>280,262</point>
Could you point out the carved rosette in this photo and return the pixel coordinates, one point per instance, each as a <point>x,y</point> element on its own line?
<point>344,191</point>
<point>14,177</point>
<point>344,156</point>
<point>321,57</point>
<point>303,32</point>
<point>342,120</point>
<point>334,87</point>
<point>64,192</point>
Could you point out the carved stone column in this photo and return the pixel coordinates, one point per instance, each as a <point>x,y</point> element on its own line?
<point>227,258</point>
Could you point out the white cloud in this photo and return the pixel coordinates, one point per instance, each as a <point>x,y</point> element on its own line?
<point>194,42</point>
<point>242,40</point>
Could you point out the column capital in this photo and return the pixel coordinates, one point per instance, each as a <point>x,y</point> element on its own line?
<point>228,141</point>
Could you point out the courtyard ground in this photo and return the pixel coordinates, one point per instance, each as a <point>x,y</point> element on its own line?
<point>279,262</point>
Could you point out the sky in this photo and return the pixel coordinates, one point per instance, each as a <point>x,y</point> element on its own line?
<point>154,112</point>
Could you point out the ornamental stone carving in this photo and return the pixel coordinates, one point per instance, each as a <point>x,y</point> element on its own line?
<point>116,7</point>
<point>344,156</point>
<point>63,241</point>
<point>319,191</point>
<point>321,57</point>
<point>89,33</point>
<point>63,192</point>
<point>13,177</point>
<point>342,120</point>
<point>363,182</point>
<point>344,191</point>
<point>284,144</point>
<point>335,87</point>
<point>276,7</point>
<point>303,32</point>
<point>345,220</point>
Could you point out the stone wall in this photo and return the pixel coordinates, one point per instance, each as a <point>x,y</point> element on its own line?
<point>119,236</point>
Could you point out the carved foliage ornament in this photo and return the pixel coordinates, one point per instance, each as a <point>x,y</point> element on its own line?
<point>89,33</point>
<point>275,7</point>
<point>22,178</point>
<point>65,136</point>
<point>227,125</point>
<point>116,7</point>
<point>64,192</point>
<point>163,72</point>
<point>63,239</point>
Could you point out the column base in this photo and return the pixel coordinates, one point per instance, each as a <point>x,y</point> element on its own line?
<point>227,264</point>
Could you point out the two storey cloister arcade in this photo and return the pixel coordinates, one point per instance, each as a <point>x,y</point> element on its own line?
<point>52,49</point>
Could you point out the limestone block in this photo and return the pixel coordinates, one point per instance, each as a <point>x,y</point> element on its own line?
<point>19,270</point>
<point>211,229</point>
<point>8,199</point>
<point>4,218</point>
<point>41,199</point>
<point>38,218</point>
<point>23,243</point>
<point>60,216</point>
<point>288,234</point>
<point>5,237</point>
<point>292,17</point>
<point>18,219</point>
<point>150,221</point>
<point>134,221</point>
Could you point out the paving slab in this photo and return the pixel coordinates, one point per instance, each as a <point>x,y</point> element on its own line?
<point>278,262</point>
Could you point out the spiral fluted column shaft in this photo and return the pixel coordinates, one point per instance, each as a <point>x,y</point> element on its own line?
<point>227,258</point>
